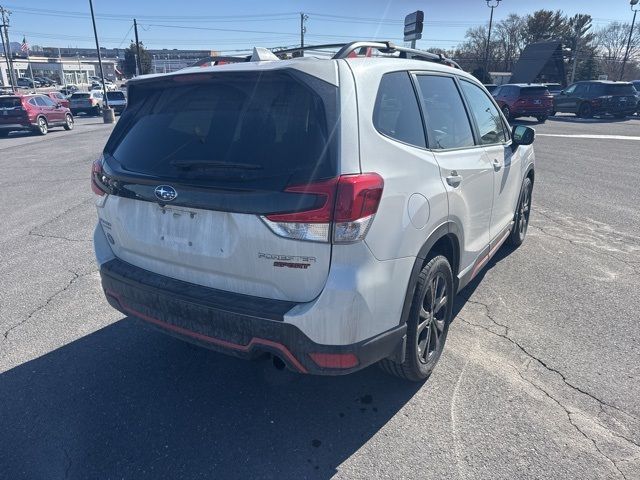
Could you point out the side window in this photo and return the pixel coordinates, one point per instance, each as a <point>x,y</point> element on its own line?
<point>447,122</point>
<point>496,93</point>
<point>396,113</point>
<point>570,90</point>
<point>32,101</point>
<point>47,101</point>
<point>488,120</point>
<point>40,102</point>
<point>581,89</point>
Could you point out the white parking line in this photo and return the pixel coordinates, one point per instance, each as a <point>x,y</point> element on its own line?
<point>601,137</point>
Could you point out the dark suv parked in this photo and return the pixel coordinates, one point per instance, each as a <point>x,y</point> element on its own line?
<point>597,97</point>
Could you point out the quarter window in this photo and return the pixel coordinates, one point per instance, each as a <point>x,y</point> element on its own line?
<point>396,113</point>
<point>447,122</point>
<point>486,115</point>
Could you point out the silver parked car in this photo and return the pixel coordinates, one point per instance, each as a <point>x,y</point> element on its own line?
<point>86,102</point>
<point>325,211</point>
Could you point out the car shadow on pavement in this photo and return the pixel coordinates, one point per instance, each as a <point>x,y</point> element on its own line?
<point>129,402</point>
<point>465,294</point>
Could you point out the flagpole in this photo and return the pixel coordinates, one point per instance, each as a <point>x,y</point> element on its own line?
<point>25,48</point>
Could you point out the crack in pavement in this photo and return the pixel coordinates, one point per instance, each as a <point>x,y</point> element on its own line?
<point>627,263</point>
<point>569,414</point>
<point>69,462</point>
<point>49,299</point>
<point>58,217</point>
<point>543,363</point>
<point>34,234</point>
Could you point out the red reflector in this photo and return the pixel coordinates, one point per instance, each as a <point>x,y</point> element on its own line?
<point>96,170</point>
<point>358,196</point>
<point>335,360</point>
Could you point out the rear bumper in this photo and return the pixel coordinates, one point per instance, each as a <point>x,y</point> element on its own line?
<point>532,112</point>
<point>15,126</point>
<point>235,324</point>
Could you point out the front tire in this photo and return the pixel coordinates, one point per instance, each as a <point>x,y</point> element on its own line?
<point>541,118</point>
<point>519,230</point>
<point>428,322</point>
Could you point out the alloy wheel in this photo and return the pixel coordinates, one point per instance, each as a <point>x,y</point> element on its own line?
<point>523,214</point>
<point>431,326</point>
<point>42,126</point>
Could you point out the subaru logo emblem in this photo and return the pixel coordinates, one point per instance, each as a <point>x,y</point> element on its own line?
<point>165,193</point>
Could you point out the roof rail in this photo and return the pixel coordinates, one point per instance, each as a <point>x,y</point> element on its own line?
<point>346,50</point>
<point>219,60</point>
<point>389,47</point>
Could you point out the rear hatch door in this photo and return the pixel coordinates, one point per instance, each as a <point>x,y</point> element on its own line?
<point>11,110</point>
<point>80,100</point>
<point>196,161</point>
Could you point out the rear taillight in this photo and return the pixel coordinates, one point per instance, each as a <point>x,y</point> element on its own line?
<point>348,206</point>
<point>92,101</point>
<point>97,177</point>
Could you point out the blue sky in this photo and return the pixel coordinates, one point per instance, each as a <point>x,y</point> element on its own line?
<point>228,26</point>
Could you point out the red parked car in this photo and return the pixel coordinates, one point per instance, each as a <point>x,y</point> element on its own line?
<point>59,98</point>
<point>35,113</point>
<point>524,100</point>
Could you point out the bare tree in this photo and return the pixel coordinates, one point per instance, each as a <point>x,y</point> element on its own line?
<point>612,43</point>
<point>510,37</point>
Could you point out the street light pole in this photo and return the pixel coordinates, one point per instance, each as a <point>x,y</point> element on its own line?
<point>491,4</point>
<point>633,3</point>
<point>107,114</point>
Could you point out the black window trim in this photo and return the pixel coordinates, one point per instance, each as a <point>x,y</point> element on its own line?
<point>417,99</point>
<point>505,124</point>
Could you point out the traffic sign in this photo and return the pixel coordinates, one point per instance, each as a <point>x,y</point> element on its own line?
<point>413,26</point>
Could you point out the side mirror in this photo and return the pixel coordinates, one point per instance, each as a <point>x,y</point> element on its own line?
<point>522,135</point>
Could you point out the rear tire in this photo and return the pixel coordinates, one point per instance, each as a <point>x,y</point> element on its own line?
<point>507,112</point>
<point>519,230</point>
<point>97,111</point>
<point>541,118</point>
<point>42,127</point>
<point>585,111</point>
<point>428,322</point>
<point>68,122</point>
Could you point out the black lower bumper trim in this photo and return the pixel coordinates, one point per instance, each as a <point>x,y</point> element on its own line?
<point>228,322</point>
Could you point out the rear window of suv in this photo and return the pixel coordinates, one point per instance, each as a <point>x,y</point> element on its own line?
<point>622,89</point>
<point>115,96</point>
<point>79,95</point>
<point>11,102</point>
<point>534,91</point>
<point>260,129</point>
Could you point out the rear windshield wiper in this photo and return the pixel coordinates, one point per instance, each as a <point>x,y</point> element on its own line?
<point>214,164</point>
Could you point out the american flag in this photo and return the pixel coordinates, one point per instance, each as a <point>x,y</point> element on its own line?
<point>25,46</point>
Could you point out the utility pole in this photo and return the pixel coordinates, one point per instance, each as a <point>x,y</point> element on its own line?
<point>107,114</point>
<point>633,3</point>
<point>303,30</point>
<point>4,14</point>
<point>139,59</point>
<point>491,5</point>
<point>6,56</point>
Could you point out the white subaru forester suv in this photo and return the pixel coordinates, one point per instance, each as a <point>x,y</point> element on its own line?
<point>324,211</point>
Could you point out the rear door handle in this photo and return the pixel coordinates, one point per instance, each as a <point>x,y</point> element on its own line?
<point>454,179</point>
<point>496,164</point>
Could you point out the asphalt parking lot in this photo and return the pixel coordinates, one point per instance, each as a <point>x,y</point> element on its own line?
<point>540,377</point>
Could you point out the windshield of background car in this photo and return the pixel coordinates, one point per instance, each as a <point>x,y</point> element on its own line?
<point>622,89</point>
<point>10,102</point>
<point>263,129</point>
<point>534,91</point>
